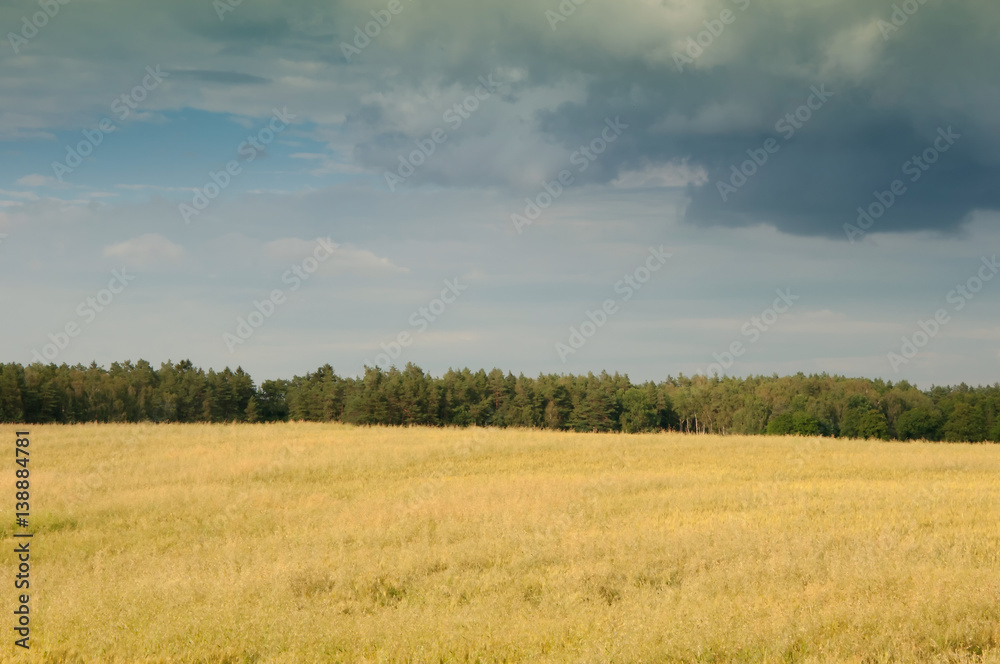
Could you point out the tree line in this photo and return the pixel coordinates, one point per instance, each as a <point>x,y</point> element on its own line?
<point>821,404</point>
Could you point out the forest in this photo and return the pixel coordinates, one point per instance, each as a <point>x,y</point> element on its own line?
<point>812,405</point>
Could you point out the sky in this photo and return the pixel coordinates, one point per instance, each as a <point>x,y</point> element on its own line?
<point>653,187</point>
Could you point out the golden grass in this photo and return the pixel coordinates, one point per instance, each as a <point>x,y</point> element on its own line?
<point>317,543</point>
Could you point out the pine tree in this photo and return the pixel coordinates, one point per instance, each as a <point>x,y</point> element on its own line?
<point>252,414</point>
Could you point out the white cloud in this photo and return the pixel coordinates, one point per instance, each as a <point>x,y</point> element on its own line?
<point>853,51</point>
<point>37,180</point>
<point>981,333</point>
<point>146,251</point>
<point>346,258</point>
<point>827,322</point>
<point>29,195</point>
<point>675,174</point>
<point>155,187</point>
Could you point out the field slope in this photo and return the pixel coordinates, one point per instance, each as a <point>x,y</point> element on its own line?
<point>317,543</point>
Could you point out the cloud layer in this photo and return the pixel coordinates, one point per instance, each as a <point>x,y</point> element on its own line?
<point>754,130</point>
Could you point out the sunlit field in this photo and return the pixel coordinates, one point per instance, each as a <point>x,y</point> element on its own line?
<point>318,543</point>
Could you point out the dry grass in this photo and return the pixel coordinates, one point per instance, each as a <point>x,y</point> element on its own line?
<point>316,543</point>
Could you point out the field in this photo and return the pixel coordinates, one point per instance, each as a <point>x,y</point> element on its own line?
<point>318,543</point>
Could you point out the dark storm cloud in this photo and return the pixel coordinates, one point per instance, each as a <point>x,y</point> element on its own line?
<point>930,76</point>
<point>894,88</point>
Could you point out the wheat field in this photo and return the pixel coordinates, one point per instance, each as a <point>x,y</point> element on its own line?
<point>330,543</point>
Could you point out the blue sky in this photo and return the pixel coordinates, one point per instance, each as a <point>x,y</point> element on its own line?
<point>703,166</point>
